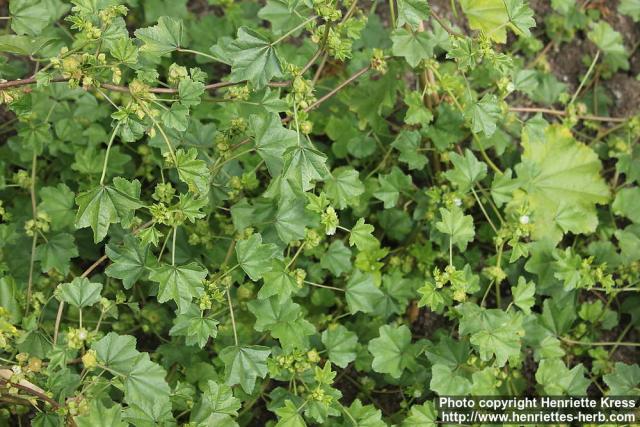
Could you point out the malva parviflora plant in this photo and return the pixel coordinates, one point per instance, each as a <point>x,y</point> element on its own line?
<point>310,212</point>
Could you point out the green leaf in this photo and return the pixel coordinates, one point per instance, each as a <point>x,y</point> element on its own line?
<point>124,51</point>
<point>272,140</point>
<point>99,416</point>
<point>558,380</point>
<point>176,117</point>
<point>341,345</point>
<point>254,58</point>
<point>28,17</point>
<point>290,219</point>
<point>193,171</point>
<point>361,236</point>
<point>467,170</point>
<point>129,262</point>
<point>630,8</point>
<point>163,38</point>
<point>144,381</point>
<point>179,283</point>
<point>446,382</point>
<point>627,204</point>
<point>488,16</point>
<point>520,17</point>
<point>524,295</point>
<point>278,281</point>
<point>362,294</point>
<point>417,114</point>
<point>364,415</point>
<point>284,320</point>
<point>337,258</point>
<point>56,253</point>
<point>494,332</point>
<point>390,187</point>
<point>304,164</point>
<point>195,327</point>
<point>289,416</point>
<point>392,351</point>
<point>412,13</point>
<point>558,172</point>
<point>217,406</point>
<point>190,92</point>
<point>79,293</point>
<point>484,114</point>
<point>457,225</point>
<point>255,257</point>
<point>412,46</point>
<point>408,143</point>
<point>105,205</point>
<point>611,43</point>
<point>243,364</point>
<point>57,202</point>
<point>624,380</point>
<point>344,187</point>
<point>424,415</point>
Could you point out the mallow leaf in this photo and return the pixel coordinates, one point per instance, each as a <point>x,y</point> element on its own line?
<point>244,364</point>
<point>80,292</point>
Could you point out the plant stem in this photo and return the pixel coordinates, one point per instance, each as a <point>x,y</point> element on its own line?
<point>584,79</point>
<point>293,30</point>
<point>198,53</point>
<point>233,319</point>
<point>337,89</point>
<point>300,248</point>
<point>106,156</point>
<point>601,343</point>
<point>495,230</point>
<point>324,286</point>
<point>173,247</point>
<point>564,113</point>
<point>392,11</point>
<point>34,241</point>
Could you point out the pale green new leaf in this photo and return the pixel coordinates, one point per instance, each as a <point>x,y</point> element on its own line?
<point>79,293</point>
<point>558,380</point>
<point>57,202</point>
<point>467,170</point>
<point>488,16</point>
<point>99,416</point>
<point>457,225</point>
<point>524,295</point>
<point>284,320</point>
<point>361,236</point>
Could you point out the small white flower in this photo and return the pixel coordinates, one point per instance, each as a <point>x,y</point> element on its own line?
<point>457,202</point>
<point>82,335</point>
<point>524,219</point>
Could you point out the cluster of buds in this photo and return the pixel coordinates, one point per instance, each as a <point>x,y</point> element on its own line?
<point>77,337</point>
<point>329,218</point>
<point>40,224</point>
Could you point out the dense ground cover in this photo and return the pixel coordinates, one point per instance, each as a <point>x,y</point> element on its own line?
<point>314,212</point>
